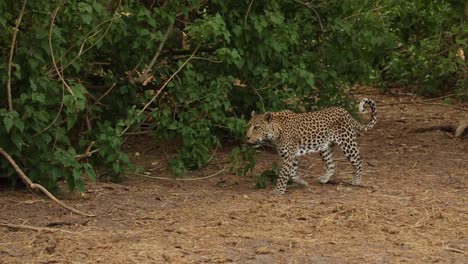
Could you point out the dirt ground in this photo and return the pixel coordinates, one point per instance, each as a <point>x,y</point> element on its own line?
<point>412,209</point>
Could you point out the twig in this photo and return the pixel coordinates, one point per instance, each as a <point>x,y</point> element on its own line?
<point>359,13</point>
<point>108,91</point>
<point>88,153</point>
<point>355,185</point>
<point>36,186</point>
<point>180,179</point>
<point>12,50</point>
<point>137,127</point>
<point>206,59</point>
<point>315,11</point>
<point>261,99</point>
<point>34,228</point>
<point>247,13</point>
<point>56,117</point>
<point>54,15</point>
<point>81,52</point>
<point>445,96</point>
<point>83,38</point>
<point>160,90</point>
<point>455,250</point>
<point>141,132</point>
<point>144,75</point>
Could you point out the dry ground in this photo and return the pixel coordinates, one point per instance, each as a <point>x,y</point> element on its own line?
<point>413,209</point>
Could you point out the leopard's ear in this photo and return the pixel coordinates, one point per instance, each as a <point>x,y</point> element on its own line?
<point>253,113</point>
<point>268,117</point>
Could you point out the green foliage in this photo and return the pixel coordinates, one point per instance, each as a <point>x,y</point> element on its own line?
<point>78,83</point>
<point>242,160</point>
<point>268,176</point>
<point>430,36</point>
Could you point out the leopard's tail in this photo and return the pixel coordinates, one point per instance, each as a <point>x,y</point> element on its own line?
<point>373,120</point>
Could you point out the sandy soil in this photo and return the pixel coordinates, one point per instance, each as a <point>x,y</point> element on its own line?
<point>413,208</point>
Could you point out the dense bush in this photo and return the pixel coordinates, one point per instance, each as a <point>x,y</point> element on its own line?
<point>431,37</point>
<point>87,73</point>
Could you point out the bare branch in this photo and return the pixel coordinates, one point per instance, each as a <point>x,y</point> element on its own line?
<point>247,13</point>
<point>145,73</point>
<point>88,153</point>
<point>12,50</point>
<point>315,11</point>
<point>53,56</point>
<point>107,92</point>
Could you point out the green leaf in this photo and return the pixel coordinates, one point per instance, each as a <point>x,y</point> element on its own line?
<point>98,7</point>
<point>71,120</point>
<point>20,125</point>
<point>79,185</point>
<point>87,18</point>
<point>8,122</point>
<point>17,139</point>
<point>90,171</point>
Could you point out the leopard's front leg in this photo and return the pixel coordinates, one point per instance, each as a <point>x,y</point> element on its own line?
<point>286,169</point>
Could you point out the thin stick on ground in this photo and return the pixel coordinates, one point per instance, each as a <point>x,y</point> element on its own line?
<point>12,51</point>
<point>446,105</point>
<point>179,179</point>
<point>456,250</point>
<point>34,228</point>
<point>36,186</point>
<point>427,102</point>
<point>445,96</point>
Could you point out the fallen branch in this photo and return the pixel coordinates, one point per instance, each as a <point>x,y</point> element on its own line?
<point>458,131</point>
<point>34,228</point>
<point>35,186</point>
<point>12,51</point>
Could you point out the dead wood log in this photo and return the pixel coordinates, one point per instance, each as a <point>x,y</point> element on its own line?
<point>458,131</point>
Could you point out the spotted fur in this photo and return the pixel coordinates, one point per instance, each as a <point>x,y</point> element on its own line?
<point>297,134</point>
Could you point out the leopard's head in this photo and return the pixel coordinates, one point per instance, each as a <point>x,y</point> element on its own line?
<point>262,128</point>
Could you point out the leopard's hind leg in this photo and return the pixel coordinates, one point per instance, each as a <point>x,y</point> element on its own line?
<point>327,157</point>
<point>351,151</point>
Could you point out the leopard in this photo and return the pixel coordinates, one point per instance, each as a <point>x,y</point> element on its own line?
<point>298,134</point>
